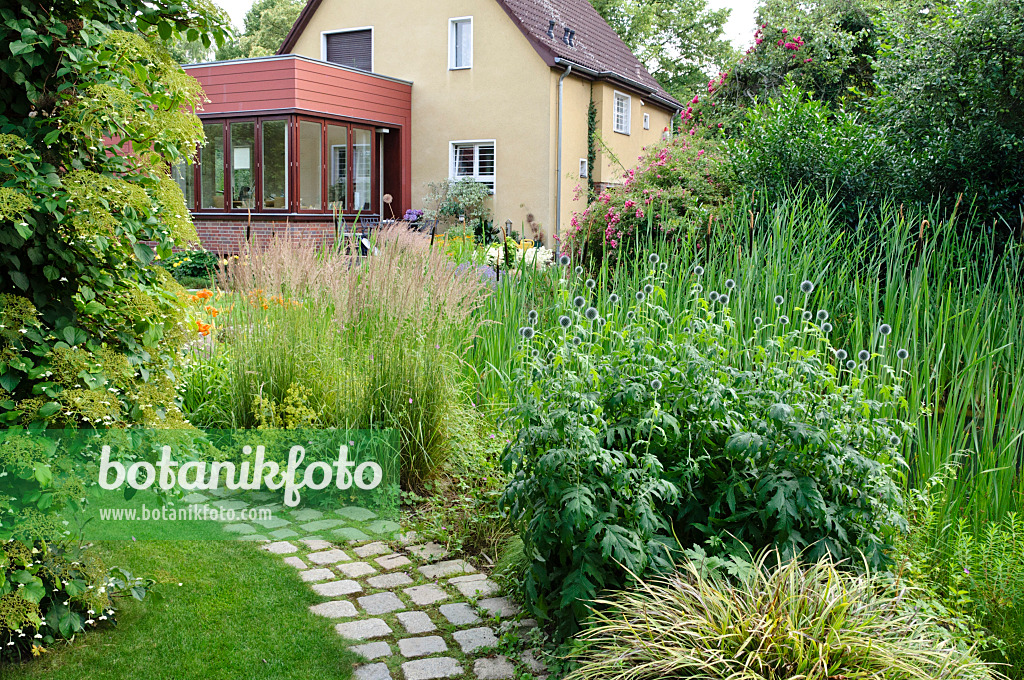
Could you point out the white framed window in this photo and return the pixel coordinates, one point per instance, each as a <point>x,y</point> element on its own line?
<point>647,121</point>
<point>460,43</point>
<point>474,160</point>
<point>584,168</point>
<point>623,105</point>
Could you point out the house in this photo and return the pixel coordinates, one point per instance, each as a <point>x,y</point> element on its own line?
<point>496,90</point>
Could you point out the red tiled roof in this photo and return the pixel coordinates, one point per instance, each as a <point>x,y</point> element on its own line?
<point>594,45</point>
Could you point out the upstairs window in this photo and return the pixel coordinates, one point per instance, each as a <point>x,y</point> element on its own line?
<point>350,48</point>
<point>647,121</point>
<point>622,111</point>
<point>474,160</point>
<point>460,43</point>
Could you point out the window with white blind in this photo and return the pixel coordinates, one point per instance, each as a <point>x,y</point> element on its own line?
<point>622,110</point>
<point>474,160</point>
<point>352,48</point>
<point>647,121</point>
<point>460,43</point>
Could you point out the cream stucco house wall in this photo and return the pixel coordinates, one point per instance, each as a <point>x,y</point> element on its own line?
<point>488,77</point>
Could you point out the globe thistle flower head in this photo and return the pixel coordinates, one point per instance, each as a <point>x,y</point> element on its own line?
<point>630,314</point>
<point>851,364</point>
<point>527,332</point>
<point>578,302</point>
<point>564,260</point>
<point>902,354</point>
<point>863,355</point>
<point>648,289</point>
<point>535,353</point>
<point>613,298</point>
<point>841,354</point>
<point>757,320</point>
<point>713,296</point>
<point>724,298</point>
<point>663,266</point>
<point>698,270</point>
<point>807,316</point>
<point>894,440</point>
<point>533,315</point>
<point>590,283</point>
<point>784,320</point>
<point>806,287</point>
<point>564,321</point>
<point>640,296</point>
<point>655,384</point>
<point>577,340</point>
<point>779,300</point>
<point>729,284</point>
<point>827,327</point>
<point>551,356</point>
<point>822,315</point>
<point>668,321</point>
<point>600,321</point>
<point>591,313</point>
<point>698,288</point>
<point>653,258</point>
<point>885,329</point>
<point>578,270</point>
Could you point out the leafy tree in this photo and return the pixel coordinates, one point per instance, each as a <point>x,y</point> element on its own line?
<point>186,51</point>
<point>90,329</point>
<point>951,76</point>
<point>266,25</point>
<point>680,41</point>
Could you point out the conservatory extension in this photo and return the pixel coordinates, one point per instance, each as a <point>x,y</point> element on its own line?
<point>294,146</point>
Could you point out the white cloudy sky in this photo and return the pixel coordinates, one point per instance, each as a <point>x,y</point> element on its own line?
<point>739,29</point>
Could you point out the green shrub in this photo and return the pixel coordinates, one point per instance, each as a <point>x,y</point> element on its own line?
<point>639,434</point>
<point>190,266</point>
<point>784,619</point>
<point>793,141</point>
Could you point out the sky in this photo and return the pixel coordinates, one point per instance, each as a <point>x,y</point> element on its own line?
<point>739,30</point>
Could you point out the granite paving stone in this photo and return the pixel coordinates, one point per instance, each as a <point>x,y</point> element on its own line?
<point>389,562</point>
<point>336,588</point>
<point>364,629</point>
<point>383,527</point>
<point>280,548</point>
<point>416,622</point>
<point>373,671</point>
<point>355,569</point>
<point>372,650</point>
<point>328,557</point>
<point>430,669</point>
<point>391,580</point>
<point>239,529</point>
<point>447,568</point>
<point>322,524</point>
<point>460,614</point>
<point>317,544</point>
<point>495,668</point>
<point>295,562</point>
<point>475,589</point>
<point>336,609</point>
<point>498,606</point>
<point>282,534</point>
<point>424,595</point>
<point>316,575</point>
<point>428,551</point>
<point>421,646</point>
<point>473,639</point>
<point>356,513</point>
<point>349,534</point>
<point>371,549</point>
<point>380,603</point>
<point>307,515</point>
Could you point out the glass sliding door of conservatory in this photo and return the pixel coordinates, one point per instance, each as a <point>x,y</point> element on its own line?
<point>337,145</point>
<point>310,165</point>
<point>362,164</point>
<point>243,166</point>
<point>274,148</point>
<point>211,168</point>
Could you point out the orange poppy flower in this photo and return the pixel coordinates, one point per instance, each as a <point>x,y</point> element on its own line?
<point>204,328</point>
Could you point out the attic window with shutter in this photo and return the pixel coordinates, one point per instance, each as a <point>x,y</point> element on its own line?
<point>350,48</point>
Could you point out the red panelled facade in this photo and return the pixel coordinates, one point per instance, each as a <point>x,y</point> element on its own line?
<point>294,143</point>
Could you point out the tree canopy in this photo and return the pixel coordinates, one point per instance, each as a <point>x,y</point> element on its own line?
<point>266,24</point>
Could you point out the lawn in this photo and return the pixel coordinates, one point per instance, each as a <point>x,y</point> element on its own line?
<point>239,613</point>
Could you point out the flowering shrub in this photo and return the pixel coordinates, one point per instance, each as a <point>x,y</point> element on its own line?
<point>688,176</point>
<point>640,435</point>
<point>188,265</point>
<point>538,257</point>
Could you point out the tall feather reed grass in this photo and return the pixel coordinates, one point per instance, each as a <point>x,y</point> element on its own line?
<point>780,620</point>
<point>319,338</point>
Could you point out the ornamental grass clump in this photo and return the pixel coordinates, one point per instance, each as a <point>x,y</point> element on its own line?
<point>782,619</point>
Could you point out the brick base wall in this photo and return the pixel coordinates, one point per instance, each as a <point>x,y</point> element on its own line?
<point>224,237</point>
